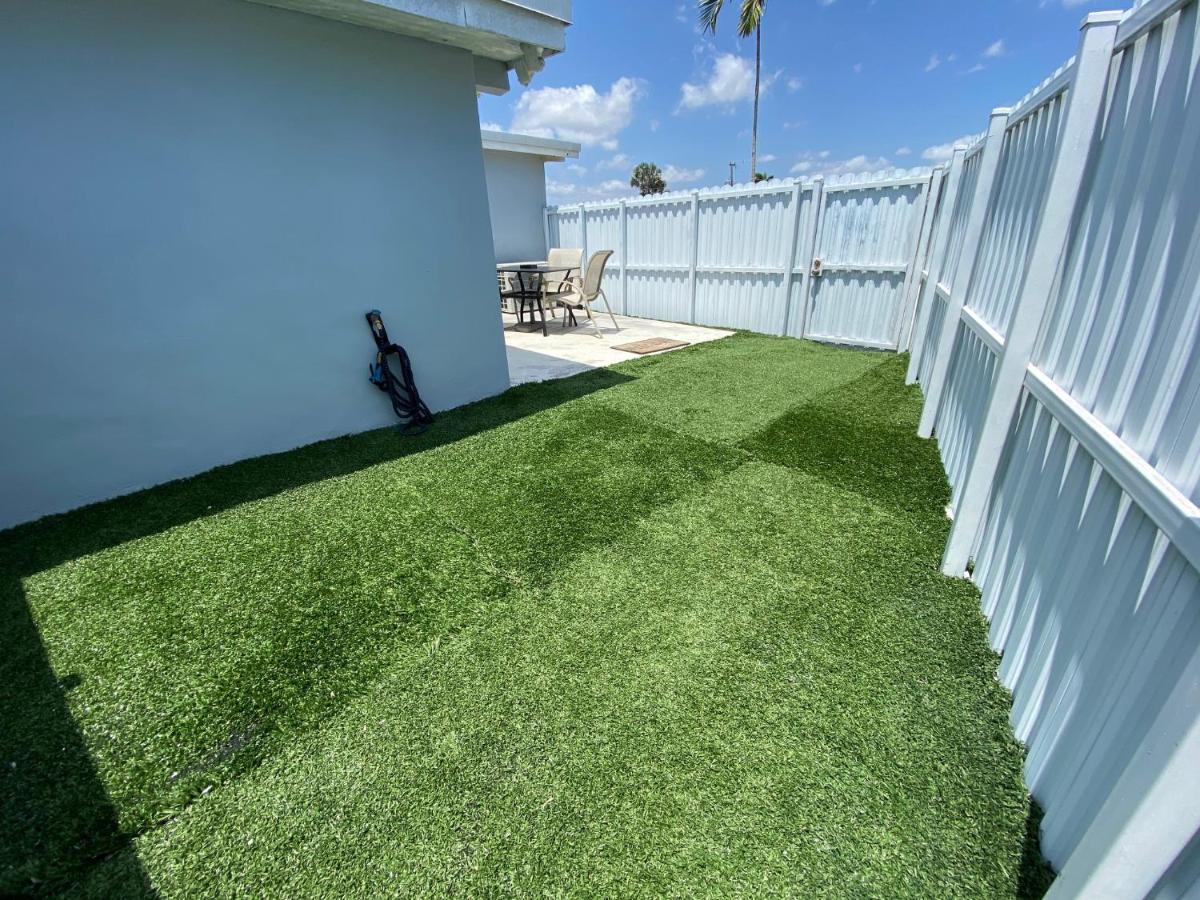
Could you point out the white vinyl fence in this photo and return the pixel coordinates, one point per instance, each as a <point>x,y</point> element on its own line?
<point>1057,341</point>
<point>1050,275</point>
<point>830,259</point>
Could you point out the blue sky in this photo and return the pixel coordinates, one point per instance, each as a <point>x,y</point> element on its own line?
<point>852,85</point>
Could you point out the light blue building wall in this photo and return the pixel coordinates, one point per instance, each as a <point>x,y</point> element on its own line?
<point>516,185</point>
<point>199,202</point>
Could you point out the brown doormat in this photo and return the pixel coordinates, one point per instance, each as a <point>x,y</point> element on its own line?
<point>650,345</point>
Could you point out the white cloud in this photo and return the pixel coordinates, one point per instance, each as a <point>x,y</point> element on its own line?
<point>814,164</point>
<point>579,113</point>
<point>730,81</point>
<point>904,151</point>
<point>934,62</point>
<point>558,190</point>
<point>767,157</point>
<point>942,152</point>
<point>565,191</point>
<point>978,67</point>
<point>619,161</point>
<point>576,169</point>
<point>491,126</point>
<point>794,84</point>
<point>994,50</point>
<point>675,174</point>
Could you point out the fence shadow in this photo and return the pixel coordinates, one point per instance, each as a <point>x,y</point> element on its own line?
<point>58,826</point>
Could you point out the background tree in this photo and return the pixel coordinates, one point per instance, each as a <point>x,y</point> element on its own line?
<point>749,20</point>
<point>648,178</point>
<point>762,176</point>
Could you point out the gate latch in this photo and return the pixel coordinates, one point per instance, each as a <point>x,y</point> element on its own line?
<point>816,268</point>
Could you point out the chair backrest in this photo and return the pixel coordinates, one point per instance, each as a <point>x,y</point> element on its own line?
<point>565,256</point>
<point>595,272</point>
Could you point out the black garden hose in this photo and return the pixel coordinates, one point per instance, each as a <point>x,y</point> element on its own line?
<point>401,390</point>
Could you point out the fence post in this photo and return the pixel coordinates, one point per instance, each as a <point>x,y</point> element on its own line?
<point>988,163</point>
<point>810,250</point>
<point>624,261</point>
<point>1085,100</point>
<point>790,262</point>
<point>936,261</point>
<point>912,285</point>
<point>695,254</point>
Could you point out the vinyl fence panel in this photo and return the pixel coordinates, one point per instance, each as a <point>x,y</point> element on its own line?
<point>1032,134</point>
<point>742,257</point>
<point>1078,502</point>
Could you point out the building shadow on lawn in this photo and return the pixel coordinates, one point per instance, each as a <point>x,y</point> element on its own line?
<point>58,826</point>
<point>876,454</point>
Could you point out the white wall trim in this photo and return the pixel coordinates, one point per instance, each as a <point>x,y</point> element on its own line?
<point>545,148</point>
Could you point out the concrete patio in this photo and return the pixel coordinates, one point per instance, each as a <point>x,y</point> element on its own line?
<point>534,357</point>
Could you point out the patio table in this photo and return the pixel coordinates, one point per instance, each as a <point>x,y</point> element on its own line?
<point>531,290</point>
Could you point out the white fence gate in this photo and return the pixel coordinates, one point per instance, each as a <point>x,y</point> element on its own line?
<point>831,260</point>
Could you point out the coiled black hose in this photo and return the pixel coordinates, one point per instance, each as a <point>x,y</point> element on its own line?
<point>401,390</point>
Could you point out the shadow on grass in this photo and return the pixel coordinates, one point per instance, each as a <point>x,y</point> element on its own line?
<point>875,453</point>
<point>58,826</point>
<point>1036,874</point>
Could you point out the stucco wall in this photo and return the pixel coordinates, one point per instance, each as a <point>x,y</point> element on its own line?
<point>198,202</point>
<point>516,187</point>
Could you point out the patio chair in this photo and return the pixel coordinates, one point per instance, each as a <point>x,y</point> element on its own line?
<point>560,282</point>
<point>584,291</point>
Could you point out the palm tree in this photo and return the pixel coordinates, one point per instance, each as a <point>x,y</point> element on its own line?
<point>749,22</point>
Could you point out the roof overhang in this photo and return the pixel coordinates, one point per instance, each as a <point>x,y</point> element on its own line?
<point>543,148</point>
<point>518,34</point>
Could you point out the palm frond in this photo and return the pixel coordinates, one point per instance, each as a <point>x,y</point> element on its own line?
<point>709,11</point>
<point>750,17</point>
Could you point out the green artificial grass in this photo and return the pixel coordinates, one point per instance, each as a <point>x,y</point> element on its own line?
<point>674,628</point>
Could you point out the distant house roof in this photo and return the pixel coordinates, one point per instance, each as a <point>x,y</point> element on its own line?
<point>545,148</point>
<point>508,34</point>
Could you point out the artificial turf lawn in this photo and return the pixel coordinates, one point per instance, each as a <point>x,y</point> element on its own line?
<point>674,628</point>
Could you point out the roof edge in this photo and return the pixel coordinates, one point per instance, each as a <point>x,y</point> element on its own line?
<point>546,148</point>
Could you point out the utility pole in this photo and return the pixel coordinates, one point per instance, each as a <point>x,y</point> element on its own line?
<point>731,167</point>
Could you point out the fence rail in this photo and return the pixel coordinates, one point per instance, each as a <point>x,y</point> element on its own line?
<point>1046,281</point>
